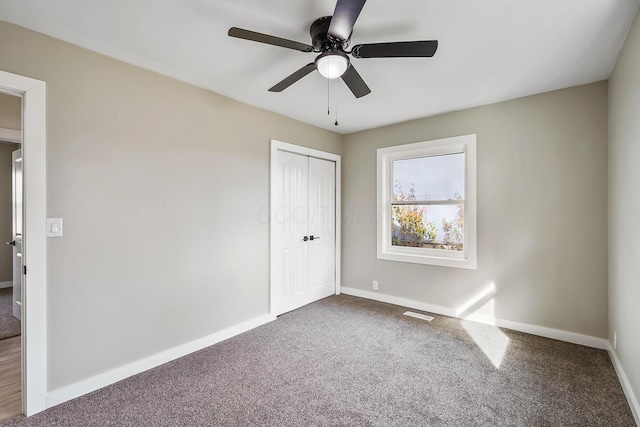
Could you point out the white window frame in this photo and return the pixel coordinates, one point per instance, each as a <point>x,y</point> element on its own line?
<point>386,156</point>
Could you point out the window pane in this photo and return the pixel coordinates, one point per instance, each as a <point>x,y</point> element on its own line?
<point>429,178</point>
<point>433,226</point>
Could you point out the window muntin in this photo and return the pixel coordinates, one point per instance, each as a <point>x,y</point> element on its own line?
<point>426,202</point>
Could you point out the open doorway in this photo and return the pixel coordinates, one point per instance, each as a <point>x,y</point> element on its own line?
<point>33,336</point>
<point>10,256</point>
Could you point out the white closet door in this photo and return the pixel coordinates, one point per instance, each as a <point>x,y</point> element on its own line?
<point>299,225</point>
<point>290,209</point>
<point>322,228</point>
<point>303,205</point>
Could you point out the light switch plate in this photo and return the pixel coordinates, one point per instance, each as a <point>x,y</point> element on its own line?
<point>54,227</point>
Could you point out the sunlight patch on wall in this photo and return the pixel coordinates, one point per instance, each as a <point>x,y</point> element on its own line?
<point>476,302</point>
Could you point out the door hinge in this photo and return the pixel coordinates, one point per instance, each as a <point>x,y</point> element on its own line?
<point>24,269</point>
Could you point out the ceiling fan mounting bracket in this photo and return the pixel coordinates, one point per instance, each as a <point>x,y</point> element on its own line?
<point>320,38</point>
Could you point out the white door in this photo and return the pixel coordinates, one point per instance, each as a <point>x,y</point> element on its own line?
<point>322,228</point>
<point>16,170</point>
<point>303,205</point>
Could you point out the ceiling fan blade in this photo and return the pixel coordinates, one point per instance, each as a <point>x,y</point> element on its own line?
<point>344,17</point>
<point>293,78</point>
<point>425,48</point>
<point>267,39</point>
<point>353,80</point>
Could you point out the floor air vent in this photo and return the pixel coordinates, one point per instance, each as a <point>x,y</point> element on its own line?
<point>418,316</point>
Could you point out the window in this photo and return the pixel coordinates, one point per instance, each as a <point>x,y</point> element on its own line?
<point>427,202</point>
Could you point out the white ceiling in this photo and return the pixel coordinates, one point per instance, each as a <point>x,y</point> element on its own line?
<point>489,50</point>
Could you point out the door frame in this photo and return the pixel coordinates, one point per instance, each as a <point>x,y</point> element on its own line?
<point>34,244</point>
<point>304,151</point>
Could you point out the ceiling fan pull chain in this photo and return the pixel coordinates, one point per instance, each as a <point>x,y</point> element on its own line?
<point>328,97</point>
<point>336,99</point>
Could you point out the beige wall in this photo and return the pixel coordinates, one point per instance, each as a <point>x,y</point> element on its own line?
<point>624,207</point>
<point>6,228</point>
<point>161,186</point>
<point>542,219</point>
<point>10,111</point>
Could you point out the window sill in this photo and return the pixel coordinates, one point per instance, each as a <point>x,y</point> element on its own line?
<point>460,261</point>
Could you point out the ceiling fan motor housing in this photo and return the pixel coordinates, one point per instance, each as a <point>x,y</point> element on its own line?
<point>320,36</point>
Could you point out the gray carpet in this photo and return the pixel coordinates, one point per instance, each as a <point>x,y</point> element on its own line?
<point>9,325</point>
<point>352,362</point>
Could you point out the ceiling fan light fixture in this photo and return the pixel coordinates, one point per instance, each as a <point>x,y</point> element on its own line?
<point>332,64</point>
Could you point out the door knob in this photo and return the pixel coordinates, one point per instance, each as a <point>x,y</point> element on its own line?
<point>304,239</point>
<point>313,237</point>
<point>11,243</point>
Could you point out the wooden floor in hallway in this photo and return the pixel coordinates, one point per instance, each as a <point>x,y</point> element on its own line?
<point>10,378</point>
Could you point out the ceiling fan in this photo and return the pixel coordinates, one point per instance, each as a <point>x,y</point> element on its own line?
<point>330,37</point>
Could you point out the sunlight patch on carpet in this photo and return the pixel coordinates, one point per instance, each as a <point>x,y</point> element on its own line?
<point>491,340</point>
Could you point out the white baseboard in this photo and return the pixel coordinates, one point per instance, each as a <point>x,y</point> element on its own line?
<point>6,285</point>
<point>88,385</point>
<point>624,381</point>
<point>557,334</point>
<point>398,301</point>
